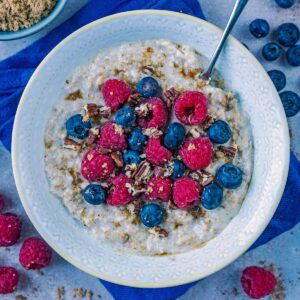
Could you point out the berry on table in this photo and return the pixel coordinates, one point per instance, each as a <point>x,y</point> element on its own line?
<point>293,56</point>
<point>156,153</point>
<point>229,176</point>
<point>131,157</point>
<point>94,194</point>
<point>137,140</point>
<point>125,117</point>
<point>159,188</point>
<point>271,51</point>
<point>259,28</point>
<point>174,135</point>
<point>219,132</point>
<point>291,103</point>
<point>78,128</point>
<point>178,169</point>
<point>2,203</point>
<point>285,3</point>
<point>148,87</point>
<point>9,278</point>
<point>278,79</point>
<point>10,229</point>
<point>152,215</point>
<point>212,196</point>
<point>287,34</point>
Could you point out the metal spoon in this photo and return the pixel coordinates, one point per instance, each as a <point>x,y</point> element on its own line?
<point>237,10</point>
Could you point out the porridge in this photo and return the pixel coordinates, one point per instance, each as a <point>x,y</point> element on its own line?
<point>144,153</point>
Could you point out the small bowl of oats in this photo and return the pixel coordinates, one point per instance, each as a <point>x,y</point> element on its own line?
<point>22,18</point>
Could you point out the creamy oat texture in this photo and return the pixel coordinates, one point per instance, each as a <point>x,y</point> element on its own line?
<point>175,66</point>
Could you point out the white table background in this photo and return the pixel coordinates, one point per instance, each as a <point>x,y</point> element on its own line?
<point>283,253</point>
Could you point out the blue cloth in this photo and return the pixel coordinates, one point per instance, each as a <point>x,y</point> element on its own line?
<point>16,71</point>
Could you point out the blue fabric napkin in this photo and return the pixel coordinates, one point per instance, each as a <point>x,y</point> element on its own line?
<point>16,71</point>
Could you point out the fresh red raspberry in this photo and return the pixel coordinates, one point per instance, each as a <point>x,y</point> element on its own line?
<point>2,203</point>
<point>112,137</point>
<point>159,188</point>
<point>197,153</point>
<point>258,282</point>
<point>96,166</point>
<point>9,278</point>
<point>10,229</point>
<point>35,254</point>
<point>156,114</point>
<point>156,153</point>
<point>191,108</point>
<point>115,93</point>
<point>186,193</point>
<point>120,194</point>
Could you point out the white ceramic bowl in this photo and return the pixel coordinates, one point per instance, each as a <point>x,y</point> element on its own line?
<point>243,74</point>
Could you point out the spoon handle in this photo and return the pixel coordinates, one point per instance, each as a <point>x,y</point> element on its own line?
<point>237,10</point>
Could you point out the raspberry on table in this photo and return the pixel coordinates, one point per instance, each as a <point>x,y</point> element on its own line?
<point>197,153</point>
<point>96,166</point>
<point>258,282</point>
<point>2,203</point>
<point>156,153</point>
<point>9,278</point>
<point>35,254</point>
<point>115,93</point>
<point>10,229</point>
<point>159,188</point>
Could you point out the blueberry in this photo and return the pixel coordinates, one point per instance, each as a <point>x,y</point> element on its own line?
<point>148,87</point>
<point>94,194</point>
<point>178,169</point>
<point>293,56</point>
<point>137,140</point>
<point>219,132</point>
<point>152,215</point>
<point>259,28</point>
<point>287,34</point>
<point>229,176</point>
<point>174,136</point>
<point>285,3</point>
<point>291,103</point>
<point>125,116</point>
<point>212,196</point>
<point>131,157</point>
<point>78,128</point>
<point>271,51</point>
<point>278,79</point>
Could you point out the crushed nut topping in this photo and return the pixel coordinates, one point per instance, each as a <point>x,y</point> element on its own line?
<point>195,132</point>
<point>148,69</point>
<point>74,96</point>
<point>143,172</point>
<point>161,232</point>
<point>208,122</point>
<point>118,159</point>
<point>229,152</point>
<point>152,132</point>
<point>129,169</point>
<point>91,110</point>
<point>159,172</point>
<point>135,189</point>
<point>105,112</point>
<point>118,129</point>
<point>171,95</point>
<point>134,99</point>
<point>135,206</point>
<point>143,110</point>
<point>172,205</point>
<point>191,147</point>
<point>93,136</point>
<point>197,212</point>
<point>71,144</point>
<point>203,177</point>
<point>103,150</point>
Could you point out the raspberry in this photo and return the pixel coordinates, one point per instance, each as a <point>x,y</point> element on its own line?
<point>115,93</point>
<point>159,188</point>
<point>112,137</point>
<point>10,229</point>
<point>155,115</point>
<point>35,254</point>
<point>156,153</point>
<point>197,153</point>
<point>191,108</point>
<point>120,194</point>
<point>9,278</point>
<point>2,202</point>
<point>258,282</point>
<point>96,166</point>
<point>186,192</point>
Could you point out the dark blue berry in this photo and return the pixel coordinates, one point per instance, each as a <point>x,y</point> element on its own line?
<point>212,196</point>
<point>125,116</point>
<point>287,34</point>
<point>94,194</point>
<point>271,51</point>
<point>148,87</point>
<point>137,140</point>
<point>285,3</point>
<point>259,28</point>
<point>229,176</point>
<point>152,215</point>
<point>178,169</point>
<point>278,79</point>
<point>291,103</point>
<point>174,136</point>
<point>293,56</point>
<point>77,128</point>
<point>219,132</point>
<point>131,157</point>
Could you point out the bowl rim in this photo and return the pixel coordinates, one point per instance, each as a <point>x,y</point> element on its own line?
<point>14,35</point>
<point>48,237</point>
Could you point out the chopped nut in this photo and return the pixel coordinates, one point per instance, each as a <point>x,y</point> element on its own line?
<point>171,95</point>
<point>103,150</point>
<point>74,96</point>
<point>143,172</point>
<point>105,112</point>
<point>229,152</point>
<point>129,170</point>
<point>125,238</point>
<point>91,110</point>
<point>172,205</point>
<point>135,189</point>
<point>93,136</point>
<point>71,144</point>
<point>118,159</point>
<point>135,206</point>
<point>143,110</point>
<point>158,231</point>
<point>134,99</point>
<point>159,171</point>
<point>197,212</point>
<point>203,177</point>
<point>195,132</point>
<point>148,69</point>
<point>152,132</point>
<point>208,122</point>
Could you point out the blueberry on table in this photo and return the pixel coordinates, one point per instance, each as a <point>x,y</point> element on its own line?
<point>148,87</point>
<point>285,3</point>
<point>287,34</point>
<point>229,176</point>
<point>291,103</point>
<point>174,136</point>
<point>131,157</point>
<point>137,140</point>
<point>278,79</point>
<point>78,128</point>
<point>125,116</point>
<point>178,169</point>
<point>293,56</point>
<point>219,132</point>
<point>259,28</point>
<point>271,51</point>
<point>152,215</point>
<point>212,196</point>
<point>94,194</point>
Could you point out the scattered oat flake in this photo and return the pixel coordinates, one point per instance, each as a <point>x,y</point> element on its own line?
<point>60,293</point>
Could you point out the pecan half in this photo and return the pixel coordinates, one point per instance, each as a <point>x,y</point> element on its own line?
<point>161,232</point>
<point>143,172</point>
<point>129,170</point>
<point>91,110</point>
<point>171,95</point>
<point>203,177</point>
<point>71,144</point>
<point>118,159</point>
<point>208,122</point>
<point>229,152</point>
<point>135,99</point>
